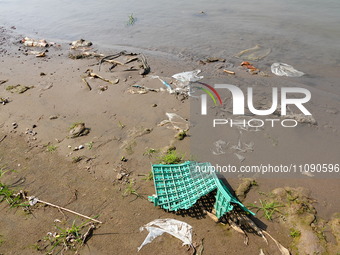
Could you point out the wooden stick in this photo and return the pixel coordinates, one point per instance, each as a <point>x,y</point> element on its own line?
<point>67,210</point>
<point>3,138</point>
<point>87,84</point>
<point>228,72</point>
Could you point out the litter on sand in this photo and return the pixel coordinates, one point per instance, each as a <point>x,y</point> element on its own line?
<point>179,186</point>
<point>34,43</point>
<point>80,43</point>
<point>254,54</point>
<point>282,69</point>
<point>186,77</point>
<point>176,228</point>
<point>177,122</point>
<point>250,67</point>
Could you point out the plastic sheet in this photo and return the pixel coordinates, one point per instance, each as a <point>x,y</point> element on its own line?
<point>282,69</point>
<point>254,54</point>
<point>176,228</point>
<point>186,77</point>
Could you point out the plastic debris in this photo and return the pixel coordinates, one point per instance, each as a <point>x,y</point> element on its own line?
<point>282,69</point>
<point>167,85</point>
<point>254,54</point>
<point>220,147</point>
<point>90,73</point>
<point>250,67</point>
<point>34,43</point>
<point>177,121</point>
<point>179,186</point>
<point>176,228</point>
<point>18,89</point>
<point>186,77</point>
<point>80,43</point>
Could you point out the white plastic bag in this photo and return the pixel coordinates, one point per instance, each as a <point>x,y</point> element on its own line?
<point>282,69</point>
<point>186,77</point>
<point>176,228</point>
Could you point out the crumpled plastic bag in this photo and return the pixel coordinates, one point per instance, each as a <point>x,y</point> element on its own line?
<point>186,77</point>
<point>176,228</point>
<point>178,123</point>
<point>282,69</point>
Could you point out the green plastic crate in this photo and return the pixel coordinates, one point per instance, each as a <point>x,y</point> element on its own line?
<point>179,187</point>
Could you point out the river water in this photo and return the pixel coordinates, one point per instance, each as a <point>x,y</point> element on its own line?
<point>294,29</point>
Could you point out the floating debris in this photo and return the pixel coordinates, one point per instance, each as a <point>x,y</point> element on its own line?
<point>254,54</point>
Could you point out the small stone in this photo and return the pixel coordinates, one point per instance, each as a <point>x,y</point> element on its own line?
<point>53,117</point>
<point>119,176</point>
<point>154,105</point>
<point>80,147</point>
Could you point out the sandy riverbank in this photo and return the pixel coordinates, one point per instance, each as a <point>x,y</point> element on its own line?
<point>125,124</point>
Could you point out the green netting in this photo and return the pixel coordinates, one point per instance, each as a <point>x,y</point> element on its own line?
<point>180,186</point>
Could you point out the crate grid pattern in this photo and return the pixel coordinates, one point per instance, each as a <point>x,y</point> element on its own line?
<point>177,187</point>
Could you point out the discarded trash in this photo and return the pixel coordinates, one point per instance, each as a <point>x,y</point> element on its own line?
<point>250,67</point>
<point>254,54</point>
<point>219,147</point>
<point>167,85</point>
<point>86,83</point>
<point>4,101</point>
<point>79,129</point>
<point>38,54</point>
<point>211,60</point>
<point>80,43</point>
<point>18,88</point>
<point>33,200</point>
<point>129,57</point>
<point>282,69</point>
<point>228,72</point>
<point>3,81</point>
<point>94,75</point>
<point>177,122</point>
<point>179,186</point>
<point>283,250</point>
<point>176,228</point>
<point>34,43</point>
<point>85,54</point>
<point>186,77</point>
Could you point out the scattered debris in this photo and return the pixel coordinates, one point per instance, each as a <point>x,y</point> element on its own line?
<point>53,117</point>
<point>34,43</point>
<point>186,77</point>
<point>4,101</point>
<point>228,72</point>
<point>282,69</point>
<point>177,122</point>
<point>181,135</point>
<point>34,200</point>
<point>127,58</point>
<point>18,88</point>
<point>78,129</point>
<point>85,54</point>
<point>132,20</point>
<point>211,60</point>
<point>240,157</point>
<point>80,43</point>
<point>250,67</point>
<point>176,228</point>
<point>3,81</point>
<point>220,147</point>
<point>254,54</point>
<point>90,73</point>
<point>87,84</point>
